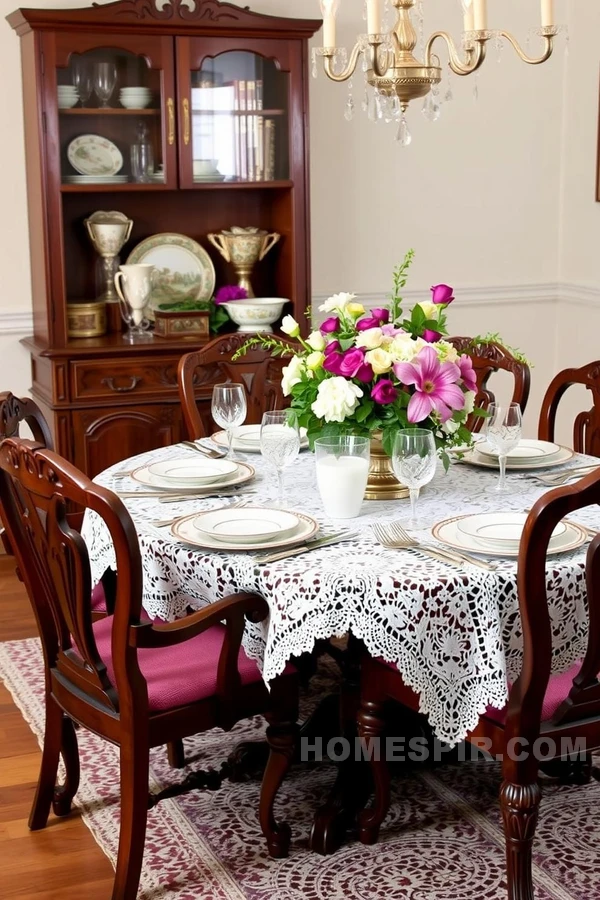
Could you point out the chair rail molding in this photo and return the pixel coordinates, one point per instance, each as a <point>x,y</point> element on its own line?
<point>16,322</point>
<point>579,294</point>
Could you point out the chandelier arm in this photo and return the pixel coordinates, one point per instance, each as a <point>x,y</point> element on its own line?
<point>530,60</point>
<point>379,69</point>
<point>475,55</point>
<point>346,73</point>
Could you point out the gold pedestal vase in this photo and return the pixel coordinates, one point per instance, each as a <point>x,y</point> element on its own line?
<point>382,484</point>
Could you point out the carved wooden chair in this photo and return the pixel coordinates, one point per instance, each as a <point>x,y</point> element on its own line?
<point>134,682</point>
<point>553,707</point>
<point>257,370</point>
<point>586,428</point>
<point>13,412</point>
<point>488,359</point>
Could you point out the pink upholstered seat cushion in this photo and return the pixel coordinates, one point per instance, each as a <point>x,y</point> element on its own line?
<point>182,674</point>
<point>557,692</point>
<point>98,598</point>
<point>559,688</point>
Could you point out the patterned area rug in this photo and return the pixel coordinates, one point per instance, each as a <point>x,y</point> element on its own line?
<point>441,841</point>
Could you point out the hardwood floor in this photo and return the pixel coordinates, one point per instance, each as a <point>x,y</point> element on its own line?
<point>61,862</point>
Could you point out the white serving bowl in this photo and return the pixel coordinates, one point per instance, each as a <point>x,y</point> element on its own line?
<point>135,103</point>
<point>257,314</point>
<point>67,102</point>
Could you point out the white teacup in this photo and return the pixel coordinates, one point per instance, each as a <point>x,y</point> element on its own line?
<point>205,167</point>
<point>134,286</point>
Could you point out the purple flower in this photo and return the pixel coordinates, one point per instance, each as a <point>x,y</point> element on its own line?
<point>230,292</point>
<point>378,317</point>
<point>391,331</point>
<point>332,347</point>
<point>384,392</point>
<point>365,373</point>
<point>352,360</point>
<point>467,372</point>
<point>436,388</point>
<point>431,336</point>
<point>350,364</point>
<point>333,363</point>
<point>330,325</point>
<point>382,314</point>
<point>442,293</point>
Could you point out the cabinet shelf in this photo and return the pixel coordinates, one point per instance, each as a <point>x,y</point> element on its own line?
<point>238,112</point>
<point>84,111</point>
<point>202,186</point>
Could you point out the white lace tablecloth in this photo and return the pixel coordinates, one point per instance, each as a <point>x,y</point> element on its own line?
<point>455,635</point>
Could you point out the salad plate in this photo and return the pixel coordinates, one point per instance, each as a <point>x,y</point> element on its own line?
<point>501,530</point>
<point>185,530</point>
<point>186,472</point>
<point>246,438</point>
<point>247,525</point>
<point>243,473</point>
<point>528,450</point>
<point>475,458</point>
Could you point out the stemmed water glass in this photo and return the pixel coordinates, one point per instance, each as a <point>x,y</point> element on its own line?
<point>229,409</point>
<point>83,79</point>
<point>279,444</point>
<point>503,432</point>
<point>105,79</point>
<point>414,461</point>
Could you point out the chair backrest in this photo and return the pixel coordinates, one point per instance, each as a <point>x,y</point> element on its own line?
<point>487,359</point>
<point>583,703</point>
<point>14,410</point>
<point>36,487</point>
<point>586,428</point>
<point>257,370</point>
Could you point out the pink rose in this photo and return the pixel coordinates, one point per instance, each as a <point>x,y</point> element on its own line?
<point>384,392</point>
<point>330,325</point>
<point>442,293</point>
<point>431,336</point>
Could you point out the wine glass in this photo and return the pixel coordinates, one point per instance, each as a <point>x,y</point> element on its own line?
<point>105,80</point>
<point>504,427</point>
<point>83,79</point>
<point>229,409</point>
<point>414,461</point>
<point>279,444</point>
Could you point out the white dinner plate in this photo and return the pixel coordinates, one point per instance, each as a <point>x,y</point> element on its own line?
<point>528,450</point>
<point>243,473</point>
<point>501,530</point>
<point>186,472</point>
<point>249,525</point>
<point>447,532</point>
<point>475,458</point>
<point>246,438</point>
<point>184,529</point>
<point>92,154</point>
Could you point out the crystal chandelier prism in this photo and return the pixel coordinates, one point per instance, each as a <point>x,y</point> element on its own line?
<point>392,70</point>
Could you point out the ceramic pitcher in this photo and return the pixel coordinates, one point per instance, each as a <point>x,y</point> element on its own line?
<point>134,286</point>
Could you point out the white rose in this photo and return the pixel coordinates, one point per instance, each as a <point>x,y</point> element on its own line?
<point>314,360</point>
<point>336,399</point>
<point>290,326</point>
<point>292,374</point>
<point>379,360</point>
<point>371,338</point>
<point>450,427</point>
<point>445,351</point>
<point>316,341</point>
<point>430,309</point>
<point>469,402</point>
<point>337,302</point>
<point>404,348</point>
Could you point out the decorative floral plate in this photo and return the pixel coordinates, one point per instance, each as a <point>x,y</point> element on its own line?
<point>183,269</point>
<point>91,154</point>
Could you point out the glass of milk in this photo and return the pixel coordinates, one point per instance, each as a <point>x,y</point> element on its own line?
<point>342,471</point>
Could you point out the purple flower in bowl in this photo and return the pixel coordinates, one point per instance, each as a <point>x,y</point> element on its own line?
<point>230,292</point>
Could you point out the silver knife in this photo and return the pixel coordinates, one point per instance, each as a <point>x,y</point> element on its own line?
<point>306,548</point>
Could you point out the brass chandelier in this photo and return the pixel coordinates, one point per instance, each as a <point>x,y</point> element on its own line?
<point>396,75</point>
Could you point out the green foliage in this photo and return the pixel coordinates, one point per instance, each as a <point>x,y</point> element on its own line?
<point>400,278</point>
<point>495,338</point>
<point>274,345</point>
<point>218,317</point>
<point>186,306</point>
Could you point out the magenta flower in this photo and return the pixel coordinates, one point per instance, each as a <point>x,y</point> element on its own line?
<point>332,347</point>
<point>436,388</point>
<point>379,316</point>
<point>350,364</point>
<point>442,293</point>
<point>467,372</point>
<point>384,392</point>
<point>382,314</point>
<point>431,336</point>
<point>330,325</point>
<point>230,292</point>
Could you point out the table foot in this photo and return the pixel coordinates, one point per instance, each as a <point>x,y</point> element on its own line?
<point>348,797</point>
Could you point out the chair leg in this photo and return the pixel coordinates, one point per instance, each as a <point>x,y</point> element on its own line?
<point>134,813</point>
<point>282,736</point>
<point>44,794</point>
<point>520,806</point>
<point>63,794</point>
<point>176,754</point>
<point>371,725</point>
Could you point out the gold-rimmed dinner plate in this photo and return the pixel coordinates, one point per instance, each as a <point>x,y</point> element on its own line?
<point>247,525</point>
<point>527,450</point>
<point>242,474</point>
<point>187,472</point>
<point>246,439</point>
<point>475,458</point>
<point>447,532</point>
<point>185,530</point>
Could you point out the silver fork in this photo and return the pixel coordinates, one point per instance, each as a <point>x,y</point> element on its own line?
<point>395,537</point>
<point>163,523</point>
<point>561,478</point>
<point>206,451</point>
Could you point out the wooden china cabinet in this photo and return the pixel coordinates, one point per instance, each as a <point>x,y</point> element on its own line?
<point>205,64</point>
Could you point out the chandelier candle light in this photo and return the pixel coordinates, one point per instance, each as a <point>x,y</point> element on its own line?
<point>392,70</point>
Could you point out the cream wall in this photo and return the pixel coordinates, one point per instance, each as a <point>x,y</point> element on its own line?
<point>478,193</point>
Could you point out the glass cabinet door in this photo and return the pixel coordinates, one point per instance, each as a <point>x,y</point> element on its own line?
<point>235,121</point>
<point>115,114</point>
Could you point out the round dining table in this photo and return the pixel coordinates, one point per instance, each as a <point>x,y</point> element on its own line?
<point>454,632</point>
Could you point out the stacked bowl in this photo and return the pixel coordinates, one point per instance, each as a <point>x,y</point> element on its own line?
<point>135,97</point>
<point>67,96</point>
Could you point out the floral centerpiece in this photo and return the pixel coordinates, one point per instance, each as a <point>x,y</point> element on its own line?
<point>372,373</point>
